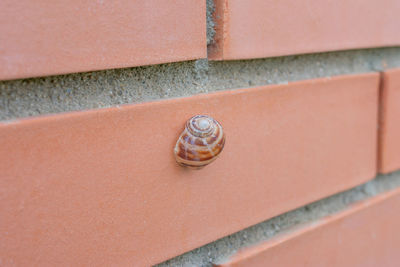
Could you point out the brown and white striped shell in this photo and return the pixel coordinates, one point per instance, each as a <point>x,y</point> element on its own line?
<point>200,143</point>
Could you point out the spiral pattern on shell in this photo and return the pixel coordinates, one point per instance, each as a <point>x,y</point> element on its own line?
<point>200,143</point>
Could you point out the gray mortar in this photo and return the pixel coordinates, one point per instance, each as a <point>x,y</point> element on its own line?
<point>54,94</point>
<point>220,250</point>
<point>210,22</point>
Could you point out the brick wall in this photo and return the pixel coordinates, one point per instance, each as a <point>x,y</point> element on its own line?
<point>94,96</point>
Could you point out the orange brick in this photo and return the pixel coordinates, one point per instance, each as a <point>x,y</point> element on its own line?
<point>363,235</point>
<point>56,37</point>
<point>390,122</point>
<point>102,187</point>
<point>270,28</point>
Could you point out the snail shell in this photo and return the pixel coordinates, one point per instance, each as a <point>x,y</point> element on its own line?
<point>200,143</point>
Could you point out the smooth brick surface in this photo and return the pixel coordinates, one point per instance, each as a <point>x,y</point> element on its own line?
<point>390,122</point>
<point>102,187</point>
<point>269,28</point>
<point>364,235</point>
<point>39,38</point>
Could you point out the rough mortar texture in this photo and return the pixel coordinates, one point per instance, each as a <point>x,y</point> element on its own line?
<point>220,250</point>
<point>54,94</point>
<point>210,22</point>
